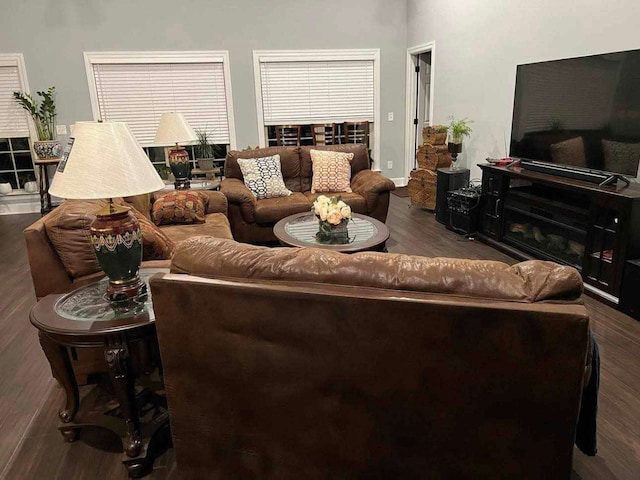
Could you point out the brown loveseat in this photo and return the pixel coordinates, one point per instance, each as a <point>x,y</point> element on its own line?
<point>305,363</point>
<point>252,220</point>
<point>47,268</point>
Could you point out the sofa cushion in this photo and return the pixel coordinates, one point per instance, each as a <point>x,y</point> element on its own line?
<point>355,201</point>
<point>179,207</point>
<point>271,210</point>
<point>331,171</point>
<point>289,163</point>
<point>68,230</point>
<point>530,281</point>
<point>263,176</point>
<point>621,157</point>
<point>360,160</point>
<point>569,152</point>
<point>155,244</point>
<point>215,225</point>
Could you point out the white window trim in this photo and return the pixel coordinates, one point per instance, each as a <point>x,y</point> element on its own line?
<point>320,55</point>
<point>210,56</point>
<point>17,60</point>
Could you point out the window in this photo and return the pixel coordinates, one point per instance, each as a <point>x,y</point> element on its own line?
<point>16,164</point>
<point>137,88</point>
<point>308,87</point>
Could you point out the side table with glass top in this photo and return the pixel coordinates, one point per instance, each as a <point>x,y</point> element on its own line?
<point>364,233</point>
<point>126,332</point>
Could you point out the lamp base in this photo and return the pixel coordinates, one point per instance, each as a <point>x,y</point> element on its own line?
<point>179,163</point>
<point>117,241</point>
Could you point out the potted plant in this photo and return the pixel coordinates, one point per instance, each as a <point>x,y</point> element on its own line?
<point>458,129</point>
<point>44,118</point>
<point>205,151</point>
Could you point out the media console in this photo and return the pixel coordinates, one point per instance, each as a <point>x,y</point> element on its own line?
<point>594,228</point>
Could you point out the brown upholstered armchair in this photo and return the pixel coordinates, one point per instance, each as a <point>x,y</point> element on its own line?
<point>252,220</point>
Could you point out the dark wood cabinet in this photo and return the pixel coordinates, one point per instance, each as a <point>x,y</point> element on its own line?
<point>536,215</point>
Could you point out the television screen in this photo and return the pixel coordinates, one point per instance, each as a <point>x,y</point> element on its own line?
<point>581,112</point>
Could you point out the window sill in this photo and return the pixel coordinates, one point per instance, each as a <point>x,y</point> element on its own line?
<point>19,193</point>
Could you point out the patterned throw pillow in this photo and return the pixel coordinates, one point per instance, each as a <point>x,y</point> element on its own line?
<point>263,176</point>
<point>180,206</point>
<point>569,152</point>
<point>155,244</point>
<point>331,171</point>
<point>621,157</point>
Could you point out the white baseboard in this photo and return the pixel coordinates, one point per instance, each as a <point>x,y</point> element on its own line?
<point>17,203</point>
<point>400,181</point>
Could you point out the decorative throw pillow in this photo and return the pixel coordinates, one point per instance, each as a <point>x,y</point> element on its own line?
<point>569,152</point>
<point>179,206</point>
<point>155,244</point>
<point>263,176</point>
<point>621,157</point>
<point>331,171</point>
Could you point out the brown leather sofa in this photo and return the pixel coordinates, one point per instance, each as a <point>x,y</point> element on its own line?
<point>48,271</point>
<point>305,363</point>
<point>252,220</point>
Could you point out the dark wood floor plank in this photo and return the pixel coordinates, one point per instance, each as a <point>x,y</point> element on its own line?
<point>31,447</point>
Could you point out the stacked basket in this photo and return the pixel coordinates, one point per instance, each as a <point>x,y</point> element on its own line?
<point>431,156</point>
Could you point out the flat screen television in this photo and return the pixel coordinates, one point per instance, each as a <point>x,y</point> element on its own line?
<point>580,112</point>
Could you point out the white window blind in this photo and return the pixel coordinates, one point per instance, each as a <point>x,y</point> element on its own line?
<point>13,119</point>
<point>317,91</point>
<point>139,93</point>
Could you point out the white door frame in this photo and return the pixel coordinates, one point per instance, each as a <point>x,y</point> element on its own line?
<point>410,94</point>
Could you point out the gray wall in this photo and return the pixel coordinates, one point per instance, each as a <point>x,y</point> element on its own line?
<point>479,44</point>
<point>52,34</point>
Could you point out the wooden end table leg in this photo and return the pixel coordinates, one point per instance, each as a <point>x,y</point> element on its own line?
<point>60,362</point>
<point>117,356</point>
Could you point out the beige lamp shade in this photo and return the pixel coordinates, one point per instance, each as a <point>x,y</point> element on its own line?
<point>104,160</point>
<point>174,128</point>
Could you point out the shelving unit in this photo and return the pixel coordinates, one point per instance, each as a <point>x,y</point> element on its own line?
<point>535,215</point>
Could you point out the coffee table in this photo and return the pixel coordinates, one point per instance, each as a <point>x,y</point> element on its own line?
<point>365,233</point>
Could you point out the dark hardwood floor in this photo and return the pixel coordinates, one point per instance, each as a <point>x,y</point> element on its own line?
<point>31,447</point>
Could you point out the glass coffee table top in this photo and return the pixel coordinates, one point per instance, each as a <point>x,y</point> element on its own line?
<point>89,304</point>
<point>300,230</point>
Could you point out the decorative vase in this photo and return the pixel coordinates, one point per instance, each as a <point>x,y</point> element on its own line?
<point>333,234</point>
<point>47,149</point>
<point>31,187</point>
<point>5,188</point>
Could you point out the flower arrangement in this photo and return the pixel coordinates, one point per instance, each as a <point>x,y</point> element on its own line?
<point>333,216</point>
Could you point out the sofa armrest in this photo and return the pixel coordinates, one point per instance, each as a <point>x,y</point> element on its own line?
<point>237,192</point>
<point>368,182</point>
<point>47,270</point>
<point>217,202</point>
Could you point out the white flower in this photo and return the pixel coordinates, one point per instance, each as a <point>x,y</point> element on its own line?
<point>341,204</point>
<point>334,217</point>
<point>323,211</point>
<point>345,211</point>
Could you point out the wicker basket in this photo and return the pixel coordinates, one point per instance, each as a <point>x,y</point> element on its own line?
<point>422,189</point>
<point>435,135</point>
<point>432,157</point>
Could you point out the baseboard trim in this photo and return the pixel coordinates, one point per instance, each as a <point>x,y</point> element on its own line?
<point>19,204</point>
<point>400,181</point>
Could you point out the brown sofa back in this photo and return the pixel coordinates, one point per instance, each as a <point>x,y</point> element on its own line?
<point>293,379</point>
<point>297,168</point>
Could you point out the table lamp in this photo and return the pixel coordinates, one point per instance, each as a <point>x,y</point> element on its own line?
<point>174,129</point>
<point>103,160</point>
